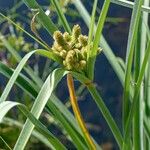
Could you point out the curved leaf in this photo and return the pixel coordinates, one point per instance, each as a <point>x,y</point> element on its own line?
<point>19,68</point>
<point>14,123</point>
<point>55,107</point>
<point>7,105</point>
<point>39,105</point>
<point>22,81</point>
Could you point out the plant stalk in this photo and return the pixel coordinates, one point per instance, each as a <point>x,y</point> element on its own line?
<point>77,112</point>
<point>137,118</point>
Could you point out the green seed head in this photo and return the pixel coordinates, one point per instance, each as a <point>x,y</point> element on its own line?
<point>76,31</point>
<point>63,53</point>
<point>83,40</point>
<point>67,37</point>
<point>71,53</point>
<point>72,48</point>
<point>58,37</point>
<point>78,46</point>
<point>82,64</point>
<point>69,67</point>
<point>84,52</point>
<point>77,66</point>
<point>57,47</point>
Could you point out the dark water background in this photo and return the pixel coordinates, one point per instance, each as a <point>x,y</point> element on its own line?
<point>107,81</point>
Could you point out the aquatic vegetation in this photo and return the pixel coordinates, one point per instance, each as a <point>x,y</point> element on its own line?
<point>74,54</point>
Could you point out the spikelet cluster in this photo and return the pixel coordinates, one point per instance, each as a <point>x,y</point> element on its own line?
<point>72,48</point>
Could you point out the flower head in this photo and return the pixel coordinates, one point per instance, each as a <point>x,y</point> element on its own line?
<point>72,48</point>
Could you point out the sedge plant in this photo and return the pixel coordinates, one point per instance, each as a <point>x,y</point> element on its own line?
<point>76,53</point>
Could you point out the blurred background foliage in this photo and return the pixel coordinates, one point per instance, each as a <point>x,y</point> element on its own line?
<point>115,32</point>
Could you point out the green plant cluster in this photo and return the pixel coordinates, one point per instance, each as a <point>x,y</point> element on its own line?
<point>17,42</point>
<point>72,48</point>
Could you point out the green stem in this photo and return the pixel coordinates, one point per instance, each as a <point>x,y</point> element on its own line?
<point>138,119</point>
<point>109,119</point>
<point>93,51</point>
<point>129,59</point>
<point>136,94</point>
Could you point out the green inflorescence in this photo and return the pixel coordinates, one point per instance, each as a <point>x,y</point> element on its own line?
<point>72,48</point>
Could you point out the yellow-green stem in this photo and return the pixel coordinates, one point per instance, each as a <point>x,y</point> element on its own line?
<point>77,112</point>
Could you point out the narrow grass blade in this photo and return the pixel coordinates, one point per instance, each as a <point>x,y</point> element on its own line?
<point>106,114</point>
<point>61,15</point>
<point>91,31</point>
<point>55,106</point>
<point>136,93</point>
<point>8,147</point>
<point>14,123</point>
<point>77,139</point>
<point>145,34</point>
<point>44,20</point>
<point>50,55</point>
<point>129,57</point>
<point>22,81</point>
<point>93,52</point>
<point>38,106</point>
<point>6,106</point>
<point>138,116</point>
<point>19,68</point>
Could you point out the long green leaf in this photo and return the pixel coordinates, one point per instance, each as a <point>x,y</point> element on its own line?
<point>91,31</point>
<point>138,116</point>
<point>61,15</point>
<point>61,113</point>
<point>22,81</point>
<point>8,147</point>
<point>19,68</point>
<point>7,105</point>
<point>144,40</point>
<point>77,139</point>
<point>136,93</point>
<point>129,57</point>
<point>14,123</point>
<point>93,51</point>
<point>38,106</point>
